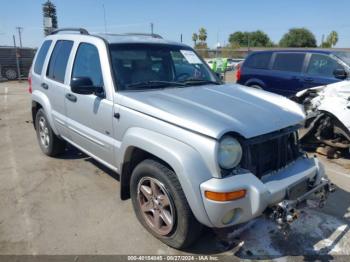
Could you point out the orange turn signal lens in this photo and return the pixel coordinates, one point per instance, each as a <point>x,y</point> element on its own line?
<point>228,196</point>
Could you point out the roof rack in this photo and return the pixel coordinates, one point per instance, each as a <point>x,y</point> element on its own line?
<point>134,34</point>
<point>145,34</point>
<point>82,31</point>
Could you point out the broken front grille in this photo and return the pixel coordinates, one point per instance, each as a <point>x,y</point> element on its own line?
<point>267,153</point>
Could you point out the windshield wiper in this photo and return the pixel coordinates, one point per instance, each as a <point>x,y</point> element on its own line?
<point>193,81</point>
<point>154,83</point>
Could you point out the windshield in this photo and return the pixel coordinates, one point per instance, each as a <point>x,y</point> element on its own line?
<point>344,56</point>
<point>150,66</point>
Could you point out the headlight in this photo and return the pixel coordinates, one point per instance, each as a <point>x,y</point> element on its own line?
<point>230,152</point>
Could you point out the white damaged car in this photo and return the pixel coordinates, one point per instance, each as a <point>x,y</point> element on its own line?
<point>328,115</point>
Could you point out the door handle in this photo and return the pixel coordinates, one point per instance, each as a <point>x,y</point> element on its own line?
<point>44,85</point>
<point>308,79</point>
<point>71,97</point>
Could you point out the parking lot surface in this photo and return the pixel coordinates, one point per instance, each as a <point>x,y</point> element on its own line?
<point>71,205</point>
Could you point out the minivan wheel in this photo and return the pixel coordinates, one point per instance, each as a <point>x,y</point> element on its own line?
<point>9,73</point>
<point>49,143</point>
<point>161,206</point>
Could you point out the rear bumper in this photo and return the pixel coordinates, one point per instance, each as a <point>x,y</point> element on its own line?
<point>261,194</point>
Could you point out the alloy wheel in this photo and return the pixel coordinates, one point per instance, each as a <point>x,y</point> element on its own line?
<point>44,132</point>
<point>156,205</point>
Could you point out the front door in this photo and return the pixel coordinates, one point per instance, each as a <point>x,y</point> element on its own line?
<point>90,117</point>
<point>320,71</point>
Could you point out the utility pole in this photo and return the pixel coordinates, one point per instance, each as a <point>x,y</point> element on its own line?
<point>152,28</point>
<point>322,41</point>
<point>19,29</point>
<point>17,59</point>
<point>104,17</point>
<point>181,38</point>
<point>248,43</point>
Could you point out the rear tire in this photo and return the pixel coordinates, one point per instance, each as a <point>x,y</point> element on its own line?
<point>256,87</point>
<point>151,176</point>
<point>50,144</point>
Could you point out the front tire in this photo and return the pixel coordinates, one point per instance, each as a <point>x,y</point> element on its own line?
<point>50,144</point>
<point>161,206</point>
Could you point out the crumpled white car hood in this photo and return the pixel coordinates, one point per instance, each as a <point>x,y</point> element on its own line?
<point>334,99</point>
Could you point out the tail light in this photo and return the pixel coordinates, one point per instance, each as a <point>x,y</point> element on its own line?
<point>238,72</point>
<point>30,90</point>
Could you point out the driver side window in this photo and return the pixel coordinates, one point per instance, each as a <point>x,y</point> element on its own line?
<point>87,64</point>
<point>322,65</point>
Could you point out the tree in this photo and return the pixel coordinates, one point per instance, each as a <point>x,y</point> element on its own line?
<point>298,37</point>
<point>202,35</point>
<point>239,38</point>
<point>259,39</point>
<point>194,38</point>
<point>253,39</point>
<point>332,38</point>
<point>49,11</point>
<point>202,49</point>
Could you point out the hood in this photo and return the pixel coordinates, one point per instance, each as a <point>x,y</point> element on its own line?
<point>214,110</point>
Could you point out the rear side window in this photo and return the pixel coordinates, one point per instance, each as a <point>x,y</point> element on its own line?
<point>87,64</point>
<point>58,61</point>
<point>39,62</point>
<point>258,61</point>
<point>292,62</point>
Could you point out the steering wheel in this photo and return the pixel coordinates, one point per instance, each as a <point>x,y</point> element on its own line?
<point>183,76</point>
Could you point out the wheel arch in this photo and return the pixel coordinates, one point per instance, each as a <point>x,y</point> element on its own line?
<point>39,100</point>
<point>190,169</point>
<point>338,117</point>
<point>255,81</point>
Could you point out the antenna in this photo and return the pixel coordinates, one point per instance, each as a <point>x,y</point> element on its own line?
<point>104,17</point>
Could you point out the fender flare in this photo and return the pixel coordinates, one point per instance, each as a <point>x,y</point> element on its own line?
<point>180,157</point>
<point>43,100</point>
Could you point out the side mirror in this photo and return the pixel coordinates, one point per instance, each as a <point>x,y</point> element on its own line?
<point>84,86</point>
<point>340,73</point>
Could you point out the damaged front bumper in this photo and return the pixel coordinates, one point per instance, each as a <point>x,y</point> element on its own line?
<point>286,211</point>
<point>301,179</point>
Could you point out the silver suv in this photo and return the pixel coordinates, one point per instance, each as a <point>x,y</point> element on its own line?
<point>190,150</point>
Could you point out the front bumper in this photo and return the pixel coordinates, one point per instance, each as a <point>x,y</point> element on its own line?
<point>261,194</point>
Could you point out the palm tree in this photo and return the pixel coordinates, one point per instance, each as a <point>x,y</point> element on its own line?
<point>332,38</point>
<point>195,38</point>
<point>202,34</point>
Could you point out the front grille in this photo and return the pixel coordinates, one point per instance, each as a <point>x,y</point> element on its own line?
<point>270,152</point>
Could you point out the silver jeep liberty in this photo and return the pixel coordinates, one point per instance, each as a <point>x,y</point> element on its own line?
<point>190,150</point>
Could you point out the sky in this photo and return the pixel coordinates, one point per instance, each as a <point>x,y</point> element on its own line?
<point>173,18</point>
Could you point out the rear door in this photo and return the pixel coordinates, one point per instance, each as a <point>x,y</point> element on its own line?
<point>287,71</point>
<point>90,117</point>
<point>54,84</point>
<point>319,70</point>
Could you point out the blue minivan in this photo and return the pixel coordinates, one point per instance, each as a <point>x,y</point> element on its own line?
<point>286,72</point>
